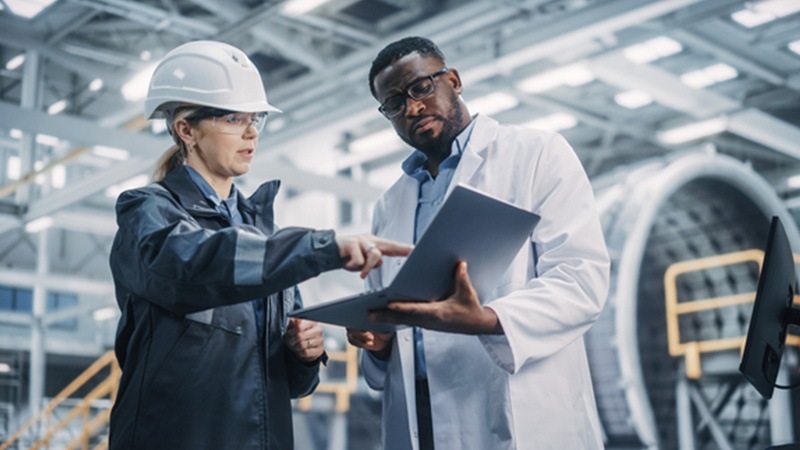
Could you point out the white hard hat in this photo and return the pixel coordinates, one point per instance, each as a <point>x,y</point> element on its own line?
<point>206,73</point>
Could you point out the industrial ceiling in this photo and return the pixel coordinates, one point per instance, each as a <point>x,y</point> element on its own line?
<point>623,80</point>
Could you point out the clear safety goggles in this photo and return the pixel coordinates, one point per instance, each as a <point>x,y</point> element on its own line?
<point>230,122</point>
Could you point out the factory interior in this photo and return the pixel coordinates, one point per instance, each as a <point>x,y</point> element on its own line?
<point>685,115</point>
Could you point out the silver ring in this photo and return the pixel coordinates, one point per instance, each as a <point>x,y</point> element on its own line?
<point>308,343</point>
<point>369,248</point>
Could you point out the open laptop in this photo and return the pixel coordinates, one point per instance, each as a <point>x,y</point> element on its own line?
<point>472,226</point>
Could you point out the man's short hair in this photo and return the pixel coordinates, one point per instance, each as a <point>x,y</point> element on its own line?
<point>398,49</point>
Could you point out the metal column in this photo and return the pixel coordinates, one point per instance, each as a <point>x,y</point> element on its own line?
<point>37,362</point>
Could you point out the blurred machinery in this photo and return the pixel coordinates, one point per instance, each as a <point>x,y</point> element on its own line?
<point>665,365</point>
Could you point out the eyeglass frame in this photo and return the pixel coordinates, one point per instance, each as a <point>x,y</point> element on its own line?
<point>217,113</point>
<point>406,93</point>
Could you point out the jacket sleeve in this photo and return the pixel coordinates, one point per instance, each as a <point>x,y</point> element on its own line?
<point>303,377</point>
<point>161,253</point>
<point>568,290</point>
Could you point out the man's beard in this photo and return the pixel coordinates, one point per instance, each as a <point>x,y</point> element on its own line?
<point>439,147</point>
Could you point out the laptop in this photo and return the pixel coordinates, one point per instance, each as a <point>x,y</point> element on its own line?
<point>472,226</point>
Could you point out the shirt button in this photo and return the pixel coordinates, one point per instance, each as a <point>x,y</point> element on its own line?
<point>406,338</point>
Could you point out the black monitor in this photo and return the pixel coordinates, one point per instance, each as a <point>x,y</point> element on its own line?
<point>772,313</point>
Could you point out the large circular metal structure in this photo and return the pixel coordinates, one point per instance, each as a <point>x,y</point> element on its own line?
<point>658,213</point>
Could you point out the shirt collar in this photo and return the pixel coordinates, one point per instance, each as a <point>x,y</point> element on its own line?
<point>416,164</point>
<point>209,193</point>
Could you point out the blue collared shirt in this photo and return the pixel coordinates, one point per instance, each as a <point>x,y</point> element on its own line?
<point>431,196</point>
<point>228,207</point>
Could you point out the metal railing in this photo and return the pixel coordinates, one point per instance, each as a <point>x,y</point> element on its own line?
<point>107,388</point>
<point>691,350</point>
<point>341,389</point>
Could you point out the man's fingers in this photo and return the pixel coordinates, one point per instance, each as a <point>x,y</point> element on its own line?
<point>409,313</point>
<point>463,283</point>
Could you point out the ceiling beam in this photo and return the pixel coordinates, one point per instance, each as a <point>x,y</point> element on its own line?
<point>665,88</point>
<point>287,46</point>
<point>156,18</point>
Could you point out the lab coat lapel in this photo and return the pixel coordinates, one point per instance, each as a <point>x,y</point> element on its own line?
<point>484,133</point>
<point>402,207</point>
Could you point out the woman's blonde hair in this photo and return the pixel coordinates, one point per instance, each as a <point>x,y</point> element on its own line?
<point>175,156</point>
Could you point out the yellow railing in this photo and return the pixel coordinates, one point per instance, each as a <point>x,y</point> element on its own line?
<point>691,350</point>
<point>342,389</point>
<point>106,388</point>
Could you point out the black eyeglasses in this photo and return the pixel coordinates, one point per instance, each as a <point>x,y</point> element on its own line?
<point>418,89</point>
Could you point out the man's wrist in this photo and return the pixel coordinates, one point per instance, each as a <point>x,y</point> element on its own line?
<point>384,353</point>
<point>491,322</point>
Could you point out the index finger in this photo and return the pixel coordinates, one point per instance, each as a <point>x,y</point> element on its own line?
<point>392,248</point>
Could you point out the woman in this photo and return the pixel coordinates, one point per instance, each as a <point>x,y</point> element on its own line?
<point>204,279</point>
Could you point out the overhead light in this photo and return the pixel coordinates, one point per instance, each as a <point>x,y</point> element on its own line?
<point>376,142</point>
<point>27,8</point>
<point>110,152</point>
<point>46,139</point>
<point>57,107</point>
<point>102,314</point>
<point>158,126</point>
<point>652,50</point>
<point>793,181</point>
<point>145,55</point>
<point>58,176</point>
<point>633,99</point>
<point>96,84</point>
<point>40,224</point>
<point>693,131</point>
<point>493,103</point>
<point>15,62</point>
<point>135,88</point>
<point>275,124</point>
<point>713,74</point>
<point>553,122</point>
<point>756,14</point>
<point>13,168</point>
<point>572,75</point>
<point>15,133</point>
<point>5,367</point>
<point>133,183</point>
<point>299,7</point>
<point>795,46</point>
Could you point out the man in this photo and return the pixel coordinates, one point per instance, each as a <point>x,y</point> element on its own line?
<point>508,371</point>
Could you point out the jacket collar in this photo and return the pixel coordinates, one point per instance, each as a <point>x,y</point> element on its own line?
<point>259,205</point>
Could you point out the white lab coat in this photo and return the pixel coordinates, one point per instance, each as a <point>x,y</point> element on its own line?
<point>530,388</point>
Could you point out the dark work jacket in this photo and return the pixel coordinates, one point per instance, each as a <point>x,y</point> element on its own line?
<point>196,372</point>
